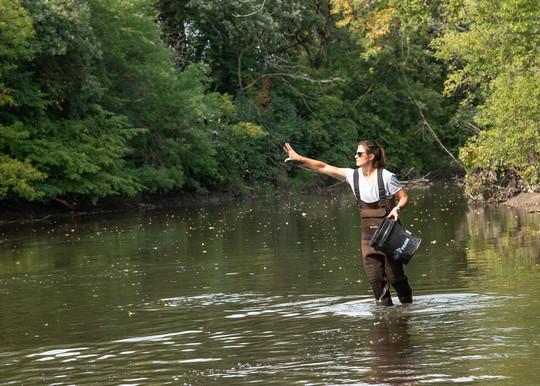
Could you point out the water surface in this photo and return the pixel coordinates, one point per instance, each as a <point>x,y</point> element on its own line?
<point>269,291</point>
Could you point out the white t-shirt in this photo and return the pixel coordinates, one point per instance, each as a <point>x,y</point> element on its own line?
<point>369,191</point>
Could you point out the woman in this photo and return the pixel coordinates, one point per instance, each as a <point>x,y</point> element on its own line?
<point>381,270</point>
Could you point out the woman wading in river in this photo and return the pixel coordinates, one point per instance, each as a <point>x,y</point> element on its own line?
<point>366,182</point>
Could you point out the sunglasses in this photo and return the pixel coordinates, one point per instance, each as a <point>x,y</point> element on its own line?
<point>359,153</point>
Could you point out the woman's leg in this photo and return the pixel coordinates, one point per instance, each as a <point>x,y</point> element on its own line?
<point>398,280</point>
<point>374,265</point>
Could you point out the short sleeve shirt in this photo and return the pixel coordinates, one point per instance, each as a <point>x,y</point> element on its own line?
<point>369,190</point>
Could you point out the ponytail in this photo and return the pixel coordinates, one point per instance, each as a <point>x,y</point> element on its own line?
<point>378,151</point>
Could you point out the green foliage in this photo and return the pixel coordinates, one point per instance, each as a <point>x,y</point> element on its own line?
<point>114,97</point>
<point>17,178</point>
<point>505,159</point>
<point>176,152</point>
<point>66,53</point>
<point>15,30</point>
<point>245,42</point>
<point>399,98</point>
<point>492,49</point>
<point>485,39</point>
<point>81,158</point>
<point>242,156</point>
<point>55,142</point>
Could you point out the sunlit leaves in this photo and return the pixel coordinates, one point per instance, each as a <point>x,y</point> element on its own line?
<point>492,51</point>
<point>483,39</point>
<point>18,177</point>
<point>376,23</point>
<point>15,31</point>
<point>373,21</point>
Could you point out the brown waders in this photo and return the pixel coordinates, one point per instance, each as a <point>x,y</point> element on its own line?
<point>381,270</point>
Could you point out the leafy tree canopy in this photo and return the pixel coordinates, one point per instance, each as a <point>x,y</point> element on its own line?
<point>492,51</point>
<point>122,98</point>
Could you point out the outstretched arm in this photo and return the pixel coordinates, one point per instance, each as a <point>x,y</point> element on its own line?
<point>318,166</point>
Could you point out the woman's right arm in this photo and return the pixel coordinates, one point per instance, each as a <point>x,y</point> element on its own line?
<point>318,166</point>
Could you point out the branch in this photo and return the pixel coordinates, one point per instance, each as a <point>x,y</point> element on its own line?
<point>294,76</point>
<point>252,13</point>
<point>239,69</point>
<point>410,170</point>
<point>303,77</point>
<point>425,122</point>
<point>302,95</point>
<point>469,126</point>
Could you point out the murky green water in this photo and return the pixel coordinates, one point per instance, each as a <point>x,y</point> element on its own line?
<point>269,291</point>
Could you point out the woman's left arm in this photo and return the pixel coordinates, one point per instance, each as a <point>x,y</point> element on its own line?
<point>402,202</point>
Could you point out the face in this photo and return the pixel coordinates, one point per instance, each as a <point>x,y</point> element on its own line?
<point>361,157</point>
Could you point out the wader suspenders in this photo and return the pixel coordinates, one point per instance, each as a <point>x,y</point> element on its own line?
<point>382,193</point>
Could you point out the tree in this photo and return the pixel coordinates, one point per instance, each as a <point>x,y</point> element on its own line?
<point>16,176</point>
<point>404,99</point>
<point>15,31</point>
<point>58,142</point>
<point>246,42</point>
<point>143,84</point>
<point>66,54</point>
<point>492,51</point>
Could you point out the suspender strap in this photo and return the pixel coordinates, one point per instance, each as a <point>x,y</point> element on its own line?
<point>356,188</point>
<point>382,193</point>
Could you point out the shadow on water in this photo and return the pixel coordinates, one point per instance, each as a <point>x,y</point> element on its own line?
<point>269,291</point>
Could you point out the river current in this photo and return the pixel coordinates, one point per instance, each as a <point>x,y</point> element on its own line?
<point>269,291</point>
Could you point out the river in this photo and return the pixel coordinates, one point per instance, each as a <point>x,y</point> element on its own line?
<point>269,291</point>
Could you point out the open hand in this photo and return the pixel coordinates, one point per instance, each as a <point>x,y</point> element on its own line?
<point>293,156</point>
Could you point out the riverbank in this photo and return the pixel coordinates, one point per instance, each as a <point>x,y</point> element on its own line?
<point>22,211</point>
<point>529,201</point>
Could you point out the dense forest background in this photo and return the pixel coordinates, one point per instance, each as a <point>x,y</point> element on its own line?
<point>122,99</point>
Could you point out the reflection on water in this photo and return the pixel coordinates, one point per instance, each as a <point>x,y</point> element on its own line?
<point>269,291</point>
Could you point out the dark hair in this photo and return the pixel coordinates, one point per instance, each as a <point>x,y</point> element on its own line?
<point>378,151</point>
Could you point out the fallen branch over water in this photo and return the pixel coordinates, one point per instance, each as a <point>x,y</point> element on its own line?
<point>416,181</point>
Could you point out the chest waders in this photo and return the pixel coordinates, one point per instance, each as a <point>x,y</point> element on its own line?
<point>381,270</point>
